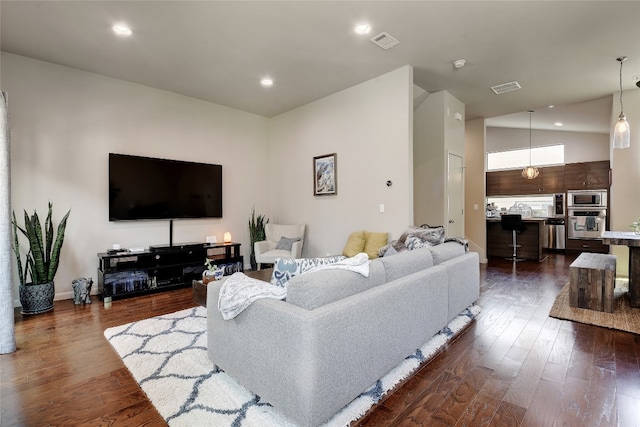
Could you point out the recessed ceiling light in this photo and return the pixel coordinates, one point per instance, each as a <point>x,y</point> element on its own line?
<point>459,63</point>
<point>266,82</point>
<point>559,124</point>
<point>551,106</point>
<point>362,29</point>
<point>122,30</point>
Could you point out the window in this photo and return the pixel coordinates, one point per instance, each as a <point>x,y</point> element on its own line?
<point>514,159</point>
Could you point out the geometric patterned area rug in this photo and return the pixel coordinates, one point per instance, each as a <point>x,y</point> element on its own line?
<point>167,356</point>
<point>624,317</point>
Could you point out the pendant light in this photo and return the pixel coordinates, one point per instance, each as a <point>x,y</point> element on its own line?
<point>621,133</point>
<point>530,172</point>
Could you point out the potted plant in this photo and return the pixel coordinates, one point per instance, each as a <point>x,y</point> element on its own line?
<point>212,272</point>
<point>256,233</point>
<point>41,263</point>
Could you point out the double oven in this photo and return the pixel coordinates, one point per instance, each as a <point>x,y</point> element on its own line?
<point>587,213</point>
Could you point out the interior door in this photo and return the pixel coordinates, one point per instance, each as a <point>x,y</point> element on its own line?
<point>455,196</point>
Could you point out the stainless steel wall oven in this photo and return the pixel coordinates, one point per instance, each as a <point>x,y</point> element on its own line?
<point>587,214</point>
<point>586,223</point>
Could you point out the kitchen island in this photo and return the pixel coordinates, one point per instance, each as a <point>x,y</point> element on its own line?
<point>498,240</point>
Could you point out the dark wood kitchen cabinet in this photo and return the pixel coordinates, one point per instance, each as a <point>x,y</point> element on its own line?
<point>530,240</point>
<point>587,245</point>
<point>553,180</point>
<point>511,182</point>
<point>587,176</point>
<point>493,183</point>
<point>504,183</point>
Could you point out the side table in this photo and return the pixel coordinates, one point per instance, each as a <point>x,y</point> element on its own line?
<point>200,289</point>
<point>632,240</point>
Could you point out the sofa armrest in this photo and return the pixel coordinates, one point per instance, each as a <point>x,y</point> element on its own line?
<point>296,249</point>
<point>260,247</point>
<point>463,279</point>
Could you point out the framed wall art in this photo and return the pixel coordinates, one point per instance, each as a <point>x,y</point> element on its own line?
<point>325,175</point>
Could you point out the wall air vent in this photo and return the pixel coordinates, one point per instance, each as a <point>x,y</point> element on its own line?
<point>506,87</point>
<point>384,40</point>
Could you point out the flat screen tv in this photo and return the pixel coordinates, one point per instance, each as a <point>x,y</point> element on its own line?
<point>148,188</point>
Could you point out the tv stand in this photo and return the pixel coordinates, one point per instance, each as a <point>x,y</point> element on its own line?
<point>164,248</point>
<point>162,267</point>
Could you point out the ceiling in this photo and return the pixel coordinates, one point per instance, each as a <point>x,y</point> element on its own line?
<point>560,52</point>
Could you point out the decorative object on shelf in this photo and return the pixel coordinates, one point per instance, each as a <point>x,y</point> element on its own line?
<point>325,175</point>
<point>636,226</point>
<point>123,275</point>
<point>256,233</point>
<point>227,237</point>
<point>212,272</point>
<point>530,172</point>
<point>41,262</point>
<point>621,133</point>
<point>82,290</point>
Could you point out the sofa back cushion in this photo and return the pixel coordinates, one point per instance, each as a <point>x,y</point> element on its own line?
<point>315,289</point>
<point>446,251</point>
<point>407,262</point>
<point>284,269</point>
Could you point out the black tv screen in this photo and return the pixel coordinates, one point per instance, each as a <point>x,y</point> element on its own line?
<point>149,188</point>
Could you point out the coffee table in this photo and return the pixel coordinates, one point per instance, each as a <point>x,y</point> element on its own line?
<point>200,289</point>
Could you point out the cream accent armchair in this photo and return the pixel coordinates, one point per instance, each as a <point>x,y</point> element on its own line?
<point>267,251</point>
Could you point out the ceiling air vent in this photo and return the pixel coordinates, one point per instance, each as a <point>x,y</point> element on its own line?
<point>384,40</point>
<point>506,87</point>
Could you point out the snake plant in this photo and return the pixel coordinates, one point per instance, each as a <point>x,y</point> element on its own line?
<point>256,228</point>
<point>42,260</point>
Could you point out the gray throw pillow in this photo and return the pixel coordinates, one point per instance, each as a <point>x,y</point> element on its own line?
<point>286,243</point>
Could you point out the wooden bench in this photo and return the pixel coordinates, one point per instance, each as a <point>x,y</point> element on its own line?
<point>592,277</point>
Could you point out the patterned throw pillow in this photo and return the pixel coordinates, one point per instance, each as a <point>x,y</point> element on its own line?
<point>412,239</point>
<point>284,269</point>
<point>414,242</point>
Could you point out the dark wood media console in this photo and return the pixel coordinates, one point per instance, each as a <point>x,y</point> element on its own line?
<point>162,268</point>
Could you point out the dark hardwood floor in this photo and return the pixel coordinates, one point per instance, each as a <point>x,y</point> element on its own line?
<point>513,366</point>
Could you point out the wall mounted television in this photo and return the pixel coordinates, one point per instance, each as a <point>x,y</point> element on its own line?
<point>145,188</point>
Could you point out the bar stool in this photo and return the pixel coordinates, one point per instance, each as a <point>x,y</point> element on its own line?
<point>513,223</point>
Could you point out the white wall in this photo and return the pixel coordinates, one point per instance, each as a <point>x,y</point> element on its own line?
<point>578,146</point>
<point>64,122</point>
<point>474,184</point>
<point>369,126</point>
<point>436,134</point>
<point>625,180</point>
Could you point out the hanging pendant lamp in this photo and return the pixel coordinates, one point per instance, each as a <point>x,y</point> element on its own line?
<point>530,172</point>
<point>621,133</point>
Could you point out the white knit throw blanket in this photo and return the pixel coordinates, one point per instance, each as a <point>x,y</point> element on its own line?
<point>358,264</point>
<point>239,291</point>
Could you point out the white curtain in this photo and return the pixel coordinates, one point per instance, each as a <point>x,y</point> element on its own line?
<point>7,329</point>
